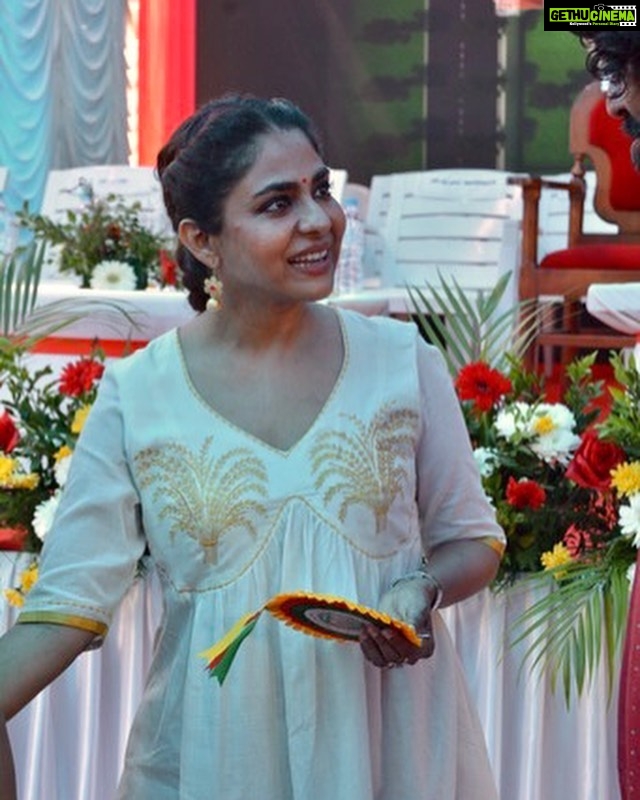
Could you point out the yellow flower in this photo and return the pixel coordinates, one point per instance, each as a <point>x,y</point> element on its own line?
<point>63,451</point>
<point>556,558</point>
<point>79,418</point>
<point>625,478</point>
<point>29,481</point>
<point>28,578</point>
<point>14,597</point>
<point>7,466</point>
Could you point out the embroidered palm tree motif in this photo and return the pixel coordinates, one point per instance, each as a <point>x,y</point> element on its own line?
<point>366,466</point>
<point>202,495</point>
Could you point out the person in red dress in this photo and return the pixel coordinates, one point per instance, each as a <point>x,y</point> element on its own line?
<point>614,58</point>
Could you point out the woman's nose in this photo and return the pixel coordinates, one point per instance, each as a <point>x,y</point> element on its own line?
<point>313,217</point>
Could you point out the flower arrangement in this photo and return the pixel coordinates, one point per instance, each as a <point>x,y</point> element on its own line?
<point>105,244</point>
<point>534,456</point>
<point>40,419</point>
<point>560,463</point>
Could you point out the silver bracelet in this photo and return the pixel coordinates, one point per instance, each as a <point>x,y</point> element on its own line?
<point>428,576</point>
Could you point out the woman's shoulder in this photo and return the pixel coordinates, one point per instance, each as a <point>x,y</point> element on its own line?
<point>384,329</point>
<point>154,359</point>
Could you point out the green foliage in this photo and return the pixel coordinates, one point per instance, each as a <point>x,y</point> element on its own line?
<point>623,423</point>
<point>580,616</point>
<point>467,329</point>
<point>106,229</point>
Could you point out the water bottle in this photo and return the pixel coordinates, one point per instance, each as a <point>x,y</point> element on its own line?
<point>349,272</point>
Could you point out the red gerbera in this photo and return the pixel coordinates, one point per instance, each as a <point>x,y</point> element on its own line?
<point>79,376</point>
<point>525,493</point>
<point>482,385</point>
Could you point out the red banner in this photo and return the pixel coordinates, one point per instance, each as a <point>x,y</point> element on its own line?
<point>167,64</point>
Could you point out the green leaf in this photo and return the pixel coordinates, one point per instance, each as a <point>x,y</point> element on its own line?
<point>469,327</point>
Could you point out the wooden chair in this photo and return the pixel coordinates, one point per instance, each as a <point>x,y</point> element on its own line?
<point>558,280</point>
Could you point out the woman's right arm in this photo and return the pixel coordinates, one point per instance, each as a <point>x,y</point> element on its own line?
<point>31,656</point>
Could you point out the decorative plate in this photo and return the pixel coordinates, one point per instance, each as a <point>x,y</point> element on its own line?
<point>331,617</point>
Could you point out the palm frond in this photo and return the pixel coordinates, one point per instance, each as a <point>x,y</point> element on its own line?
<point>579,618</point>
<point>19,278</point>
<point>466,331</point>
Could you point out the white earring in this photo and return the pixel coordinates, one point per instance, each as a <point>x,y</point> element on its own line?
<point>213,287</point>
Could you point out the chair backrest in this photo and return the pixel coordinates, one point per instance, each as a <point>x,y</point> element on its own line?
<point>596,135</point>
<point>66,189</point>
<point>448,223</point>
<point>554,215</point>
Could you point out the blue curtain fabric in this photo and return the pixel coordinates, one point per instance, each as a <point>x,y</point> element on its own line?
<point>62,90</point>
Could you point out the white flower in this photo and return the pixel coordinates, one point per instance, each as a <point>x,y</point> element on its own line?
<point>44,514</point>
<point>486,460</point>
<point>629,518</point>
<point>631,573</point>
<point>513,419</point>
<point>61,470</point>
<point>113,275</point>
<point>552,428</point>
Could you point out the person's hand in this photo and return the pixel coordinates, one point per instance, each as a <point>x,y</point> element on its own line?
<point>409,600</point>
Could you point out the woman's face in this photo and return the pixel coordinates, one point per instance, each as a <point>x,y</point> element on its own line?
<point>281,228</point>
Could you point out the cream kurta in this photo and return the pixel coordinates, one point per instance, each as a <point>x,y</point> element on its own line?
<point>230,521</point>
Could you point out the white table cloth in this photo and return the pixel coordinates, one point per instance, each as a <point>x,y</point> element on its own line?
<point>69,742</point>
<point>617,305</point>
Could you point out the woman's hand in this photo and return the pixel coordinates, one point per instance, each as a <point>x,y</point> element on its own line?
<point>387,647</point>
<point>409,600</point>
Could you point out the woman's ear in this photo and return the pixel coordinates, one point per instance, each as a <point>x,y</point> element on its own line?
<point>201,245</point>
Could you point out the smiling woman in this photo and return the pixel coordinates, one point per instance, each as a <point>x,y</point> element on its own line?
<point>269,446</point>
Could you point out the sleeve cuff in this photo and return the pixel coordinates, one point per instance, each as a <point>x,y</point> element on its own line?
<point>70,620</point>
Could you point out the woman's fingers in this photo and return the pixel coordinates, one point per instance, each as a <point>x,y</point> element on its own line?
<point>386,647</point>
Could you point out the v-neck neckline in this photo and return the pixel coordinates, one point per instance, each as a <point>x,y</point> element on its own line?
<point>252,436</point>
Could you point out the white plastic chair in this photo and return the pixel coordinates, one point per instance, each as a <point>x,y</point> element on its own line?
<point>442,223</point>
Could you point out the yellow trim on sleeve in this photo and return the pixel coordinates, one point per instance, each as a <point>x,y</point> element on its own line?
<point>71,620</point>
<point>494,544</point>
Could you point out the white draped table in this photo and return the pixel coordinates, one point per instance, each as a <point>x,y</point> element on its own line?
<point>617,305</point>
<point>69,741</point>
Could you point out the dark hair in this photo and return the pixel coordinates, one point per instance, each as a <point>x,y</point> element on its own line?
<point>205,158</point>
<point>611,54</point>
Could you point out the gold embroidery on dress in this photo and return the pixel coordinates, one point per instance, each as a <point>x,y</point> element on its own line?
<point>204,496</point>
<point>365,465</point>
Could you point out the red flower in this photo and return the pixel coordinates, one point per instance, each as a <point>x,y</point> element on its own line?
<point>525,493</point>
<point>168,269</point>
<point>577,541</point>
<point>79,376</point>
<point>593,461</point>
<point>9,436</point>
<point>482,384</point>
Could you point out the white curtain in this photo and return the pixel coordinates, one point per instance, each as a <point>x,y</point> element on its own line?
<point>62,90</point>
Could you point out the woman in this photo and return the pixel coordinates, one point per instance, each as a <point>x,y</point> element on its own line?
<point>272,444</point>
